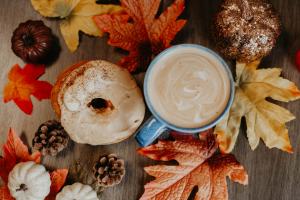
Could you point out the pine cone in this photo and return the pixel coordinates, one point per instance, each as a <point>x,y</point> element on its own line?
<point>50,138</point>
<point>109,170</point>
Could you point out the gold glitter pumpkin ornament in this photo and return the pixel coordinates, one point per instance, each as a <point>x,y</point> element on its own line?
<point>246,30</point>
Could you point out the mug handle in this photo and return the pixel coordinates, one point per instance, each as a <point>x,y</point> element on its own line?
<point>150,131</point>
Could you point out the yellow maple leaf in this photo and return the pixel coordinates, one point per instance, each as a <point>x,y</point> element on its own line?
<point>77,16</point>
<point>264,119</point>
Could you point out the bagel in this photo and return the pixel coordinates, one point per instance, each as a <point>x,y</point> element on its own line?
<point>98,102</point>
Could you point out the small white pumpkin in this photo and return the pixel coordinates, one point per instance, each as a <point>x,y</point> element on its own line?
<point>77,191</point>
<point>29,181</point>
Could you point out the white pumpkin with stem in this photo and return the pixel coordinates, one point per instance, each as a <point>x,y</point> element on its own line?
<point>29,181</point>
<point>77,191</point>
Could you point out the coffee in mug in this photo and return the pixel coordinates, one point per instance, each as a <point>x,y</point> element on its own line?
<point>189,87</point>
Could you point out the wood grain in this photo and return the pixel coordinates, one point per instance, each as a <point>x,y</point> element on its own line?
<point>274,175</point>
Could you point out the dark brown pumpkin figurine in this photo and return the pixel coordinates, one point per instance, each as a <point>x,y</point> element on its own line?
<point>246,30</point>
<point>33,42</point>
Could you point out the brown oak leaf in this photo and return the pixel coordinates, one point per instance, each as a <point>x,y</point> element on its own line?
<point>140,32</point>
<point>199,166</point>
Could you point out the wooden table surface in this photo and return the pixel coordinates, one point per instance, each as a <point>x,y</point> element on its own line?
<point>273,174</point>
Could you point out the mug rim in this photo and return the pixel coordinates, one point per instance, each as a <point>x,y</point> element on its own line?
<point>173,126</point>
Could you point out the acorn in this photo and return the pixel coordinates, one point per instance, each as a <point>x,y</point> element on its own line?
<point>33,42</point>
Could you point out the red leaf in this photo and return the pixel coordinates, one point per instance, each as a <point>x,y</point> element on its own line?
<point>14,151</point>
<point>298,59</point>
<point>58,178</point>
<point>23,83</point>
<point>5,194</point>
<point>199,165</point>
<point>140,32</point>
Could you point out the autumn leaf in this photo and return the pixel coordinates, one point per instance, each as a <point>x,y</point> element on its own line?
<point>140,32</point>
<point>14,151</point>
<point>23,83</point>
<point>199,166</point>
<point>5,194</point>
<point>264,119</point>
<point>58,178</point>
<point>76,16</point>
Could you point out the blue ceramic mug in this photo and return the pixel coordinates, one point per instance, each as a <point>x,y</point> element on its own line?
<point>156,124</point>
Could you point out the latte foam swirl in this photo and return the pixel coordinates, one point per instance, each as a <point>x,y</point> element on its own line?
<point>190,89</point>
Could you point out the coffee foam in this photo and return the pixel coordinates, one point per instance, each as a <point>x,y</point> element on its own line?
<point>188,87</point>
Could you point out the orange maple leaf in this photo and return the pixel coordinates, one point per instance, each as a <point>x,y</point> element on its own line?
<point>14,151</point>
<point>198,166</point>
<point>58,178</point>
<point>140,32</point>
<point>23,83</point>
<point>5,194</point>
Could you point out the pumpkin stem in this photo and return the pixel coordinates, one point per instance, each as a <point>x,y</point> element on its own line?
<point>22,187</point>
<point>247,13</point>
